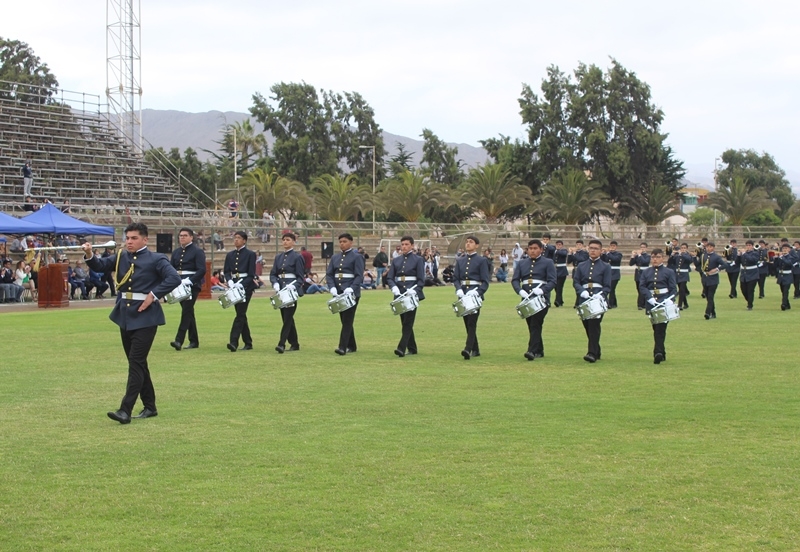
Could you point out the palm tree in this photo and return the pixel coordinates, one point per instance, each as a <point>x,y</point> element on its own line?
<point>654,206</point>
<point>492,190</point>
<point>738,201</point>
<point>339,199</point>
<point>570,198</point>
<point>274,193</point>
<point>412,194</point>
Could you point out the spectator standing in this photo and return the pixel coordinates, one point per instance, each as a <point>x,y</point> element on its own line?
<point>217,241</point>
<point>27,179</point>
<point>233,208</point>
<point>516,256</point>
<point>379,263</point>
<point>308,259</point>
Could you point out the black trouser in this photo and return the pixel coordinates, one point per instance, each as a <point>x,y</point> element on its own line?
<point>137,345</point>
<point>796,278</point>
<point>732,277</point>
<point>762,278</point>
<point>99,285</point>
<point>682,302</point>
<point>407,339</point>
<point>560,290</point>
<point>659,339</point>
<point>288,330</point>
<point>709,291</point>
<point>641,301</point>
<point>785,296</point>
<point>612,297</point>
<point>593,329</point>
<point>188,322</point>
<point>535,323</point>
<point>748,291</point>
<point>347,337</point>
<point>240,326</point>
<point>471,324</point>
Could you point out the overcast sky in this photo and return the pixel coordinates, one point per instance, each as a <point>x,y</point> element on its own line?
<point>726,74</point>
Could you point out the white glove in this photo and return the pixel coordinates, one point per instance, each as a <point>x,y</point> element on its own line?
<point>396,290</point>
<point>668,302</point>
<point>459,293</point>
<point>348,290</point>
<point>523,294</point>
<point>230,283</point>
<point>334,292</point>
<point>473,293</point>
<point>584,294</point>
<point>652,302</point>
<point>538,291</point>
<point>412,291</point>
<point>239,285</point>
<point>276,286</point>
<point>186,282</point>
<point>291,284</point>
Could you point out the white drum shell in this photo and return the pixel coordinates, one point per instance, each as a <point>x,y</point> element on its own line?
<point>231,297</point>
<point>594,307</point>
<point>404,303</point>
<point>469,304</point>
<point>341,303</point>
<point>284,298</point>
<point>180,293</point>
<point>667,313</point>
<point>531,305</point>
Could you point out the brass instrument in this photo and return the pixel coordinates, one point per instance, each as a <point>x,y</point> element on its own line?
<point>757,246</point>
<point>726,252</point>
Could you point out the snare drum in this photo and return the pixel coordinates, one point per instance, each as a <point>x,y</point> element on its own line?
<point>469,304</point>
<point>593,307</point>
<point>180,293</point>
<point>286,297</point>
<point>341,303</point>
<point>663,314</point>
<point>531,305</point>
<point>404,303</point>
<point>231,297</point>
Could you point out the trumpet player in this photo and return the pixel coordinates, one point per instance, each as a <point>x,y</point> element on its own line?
<point>406,275</point>
<point>749,274</point>
<point>657,283</point>
<point>763,266</point>
<point>731,255</point>
<point>672,247</point>
<point>709,264</point>
<point>681,263</point>
<point>641,260</point>
<point>614,259</point>
<point>537,276</point>
<point>783,265</point>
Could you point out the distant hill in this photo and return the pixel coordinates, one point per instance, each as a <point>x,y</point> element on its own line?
<point>179,129</point>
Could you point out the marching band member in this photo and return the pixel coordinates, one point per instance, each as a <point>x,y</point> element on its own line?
<point>657,283</point>
<point>537,276</point>
<point>471,277</point>
<point>190,262</point>
<point>144,278</point>
<point>749,274</point>
<point>783,265</point>
<point>288,270</point>
<point>672,248</point>
<point>240,269</point>
<point>344,275</point>
<point>796,269</point>
<point>592,277</point>
<point>731,254</point>
<point>641,260</point>
<point>560,259</point>
<point>681,263</point>
<point>763,266</point>
<point>576,256</point>
<point>548,250</point>
<point>709,264</point>
<point>614,260</point>
<point>406,274</point>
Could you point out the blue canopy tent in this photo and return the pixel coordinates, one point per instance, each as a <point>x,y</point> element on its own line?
<point>12,225</point>
<point>51,220</point>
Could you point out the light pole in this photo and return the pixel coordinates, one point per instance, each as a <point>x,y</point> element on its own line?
<point>373,183</point>
<point>715,190</point>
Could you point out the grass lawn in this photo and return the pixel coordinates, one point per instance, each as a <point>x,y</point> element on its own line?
<point>312,451</point>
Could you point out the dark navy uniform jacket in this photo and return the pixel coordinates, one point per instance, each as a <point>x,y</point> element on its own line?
<point>763,260</point>
<point>560,258</point>
<point>641,261</point>
<point>531,273</point>
<point>239,262</point>
<point>292,263</point>
<point>709,261</point>
<point>682,265</point>
<point>592,276</point>
<point>407,266</point>
<point>796,266</point>
<point>733,261</point>
<point>784,265</point>
<point>578,257</point>
<point>346,270</point>
<point>614,260</point>
<point>658,282</point>
<point>749,260</point>
<point>151,273</point>
<point>549,251</point>
<point>192,259</point>
<point>472,272</point>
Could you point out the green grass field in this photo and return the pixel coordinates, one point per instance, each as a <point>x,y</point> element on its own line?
<point>311,451</point>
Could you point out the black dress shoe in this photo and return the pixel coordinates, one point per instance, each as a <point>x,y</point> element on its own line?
<point>713,316</point>
<point>749,307</point>
<point>280,349</point>
<point>147,413</point>
<point>589,358</point>
<point>247,347</point>
<point>351,350</point>
<point>295,347</point>
<point>529,355</point>
<point>476,353</point>
<point>538,355</point>
<point>120,416</point>
<point>175,345</point>
<point>411,352</point>
<point>340,352</point>
<point>706,316</point>
<point>192,346</point>
<point>658,358</point>
<point>231,347</point>
<point>399,353</point>
<point>466,354</point>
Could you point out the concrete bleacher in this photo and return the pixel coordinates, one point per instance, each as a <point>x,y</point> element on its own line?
<point>76,155</point>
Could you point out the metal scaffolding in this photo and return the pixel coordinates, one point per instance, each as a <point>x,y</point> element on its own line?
<point>124,68</point>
